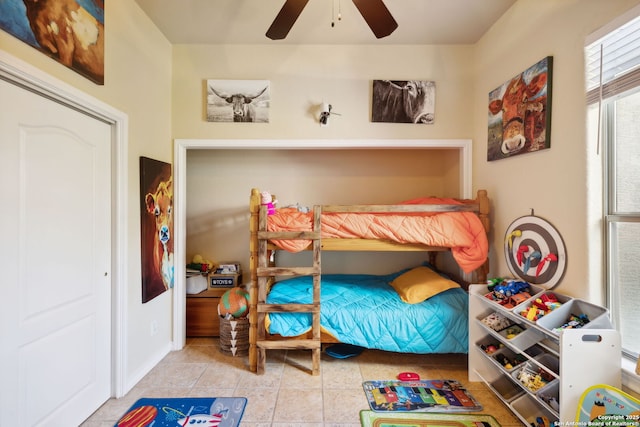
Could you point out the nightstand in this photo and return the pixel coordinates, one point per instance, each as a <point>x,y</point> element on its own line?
<point>202,313</point>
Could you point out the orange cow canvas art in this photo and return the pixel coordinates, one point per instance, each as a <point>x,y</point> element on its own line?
<point>520,113</point>
<point>156,224</point>
<point>70,31</point>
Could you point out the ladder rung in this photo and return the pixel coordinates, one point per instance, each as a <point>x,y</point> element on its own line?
<point>288,235</point>
<point>287,271</point>
<point>289,344</point>
<point>288,308</point>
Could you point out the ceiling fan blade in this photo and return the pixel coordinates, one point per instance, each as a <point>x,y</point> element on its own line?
<point>285,19</point>
<point>377,16</point>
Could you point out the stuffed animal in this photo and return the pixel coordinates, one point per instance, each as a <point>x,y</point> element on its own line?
<point>267,200</point>
<point>300,208</point>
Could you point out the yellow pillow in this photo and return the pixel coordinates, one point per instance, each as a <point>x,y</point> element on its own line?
<point>421,283</point>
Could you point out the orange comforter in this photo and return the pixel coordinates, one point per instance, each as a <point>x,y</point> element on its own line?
<point>461,231</point>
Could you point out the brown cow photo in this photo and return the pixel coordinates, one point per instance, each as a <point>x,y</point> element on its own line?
<point>156,224</point>
<point>520,113</point>
<point>403,101</point>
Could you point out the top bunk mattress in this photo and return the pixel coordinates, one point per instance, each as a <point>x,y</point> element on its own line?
<point>462,232</point>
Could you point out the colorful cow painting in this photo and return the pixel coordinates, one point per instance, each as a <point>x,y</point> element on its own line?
<point>520,113</point>
<point>69,31</point>
<point>156,218</point>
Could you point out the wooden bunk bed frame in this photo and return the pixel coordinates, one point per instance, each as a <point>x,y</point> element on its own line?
<point>263,271</point>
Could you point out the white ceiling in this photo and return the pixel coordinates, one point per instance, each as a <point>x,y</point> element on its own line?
<point>246,21</point>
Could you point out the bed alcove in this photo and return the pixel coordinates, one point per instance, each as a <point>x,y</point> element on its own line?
<point>182,146</point>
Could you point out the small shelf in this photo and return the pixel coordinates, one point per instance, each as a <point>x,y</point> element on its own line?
<point>559,356</point>
<point>528,408</point>
<point>524,339</point>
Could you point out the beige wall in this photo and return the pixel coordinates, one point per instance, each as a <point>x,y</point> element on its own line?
<point>552,182</point>
<point>302,77</point>
<point>137,82</point>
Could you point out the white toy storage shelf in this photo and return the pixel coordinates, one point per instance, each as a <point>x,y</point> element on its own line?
<point>571,360</point>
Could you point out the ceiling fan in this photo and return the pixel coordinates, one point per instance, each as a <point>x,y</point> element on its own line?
<point>374,12</point>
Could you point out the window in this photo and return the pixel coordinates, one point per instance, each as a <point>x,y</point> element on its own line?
<point>613,94</point>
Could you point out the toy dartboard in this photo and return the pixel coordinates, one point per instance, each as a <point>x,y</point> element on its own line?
<point>535,252</point>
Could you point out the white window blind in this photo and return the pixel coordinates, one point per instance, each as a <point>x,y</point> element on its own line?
<point>614,62</point>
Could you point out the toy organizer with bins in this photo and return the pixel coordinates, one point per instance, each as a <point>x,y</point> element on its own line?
<point>535,368</point>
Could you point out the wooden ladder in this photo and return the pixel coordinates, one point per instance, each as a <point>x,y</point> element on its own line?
<point>265,275</point>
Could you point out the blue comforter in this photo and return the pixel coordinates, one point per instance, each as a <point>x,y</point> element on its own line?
<point>365,310</point>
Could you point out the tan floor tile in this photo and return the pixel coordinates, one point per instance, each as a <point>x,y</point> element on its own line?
<point>261,403</point>
<point>293,377</point>
<point>174,374</point>
<point>221,376</point>
<point>192,354</point>
<point>167,392</point>
<point>270,379</point>
<point>300,360</point>
<point>211,392</point>
<point>340,374</point>
<point>344,405</point>
<point>296,406</point>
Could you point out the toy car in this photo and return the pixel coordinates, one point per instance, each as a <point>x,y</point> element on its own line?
<point>512,287</point>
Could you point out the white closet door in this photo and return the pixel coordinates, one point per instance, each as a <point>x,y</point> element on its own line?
<point>55,261</point>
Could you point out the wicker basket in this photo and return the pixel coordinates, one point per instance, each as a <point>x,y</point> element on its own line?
<point>234,336</point>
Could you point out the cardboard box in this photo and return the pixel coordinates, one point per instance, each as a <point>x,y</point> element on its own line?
<point>225,280</point>
<point>228,267</point>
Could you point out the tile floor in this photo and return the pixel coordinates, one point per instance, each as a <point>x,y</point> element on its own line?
<point>287,394</point>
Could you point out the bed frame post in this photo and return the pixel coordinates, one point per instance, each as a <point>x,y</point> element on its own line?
<point>254,209</point>
<point>483,214</point>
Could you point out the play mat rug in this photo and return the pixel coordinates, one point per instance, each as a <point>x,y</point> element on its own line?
<point>604,405</point>
<point>397,419</point>
<point>175,412</point>
<point>421,396</point>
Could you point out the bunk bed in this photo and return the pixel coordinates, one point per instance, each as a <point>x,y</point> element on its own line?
<point>428,318</point>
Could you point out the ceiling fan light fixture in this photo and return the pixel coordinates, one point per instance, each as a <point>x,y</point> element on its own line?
<point>377,16</point>
<point>285,19</point>
<point>374,12</point>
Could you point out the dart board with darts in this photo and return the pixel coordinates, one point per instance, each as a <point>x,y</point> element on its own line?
<point>535,252</point>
